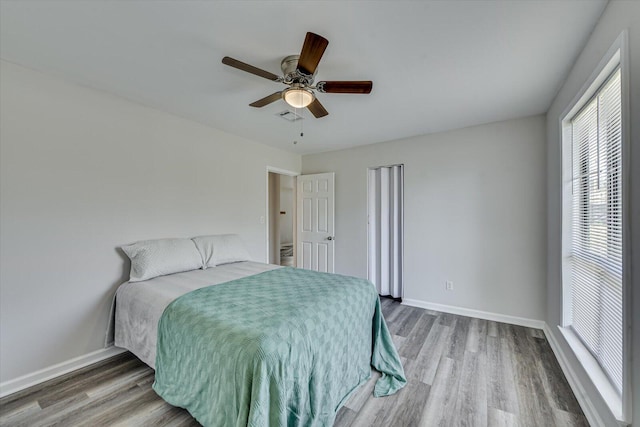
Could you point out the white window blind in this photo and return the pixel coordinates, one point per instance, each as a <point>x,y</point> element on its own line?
<point>596,229</point>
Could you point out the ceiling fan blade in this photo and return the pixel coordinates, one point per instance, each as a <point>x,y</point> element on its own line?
<point>317,109</point>
<point>267,100</point>
<point>312,50</point>
<point>249,68</point>
<point>345,86</point>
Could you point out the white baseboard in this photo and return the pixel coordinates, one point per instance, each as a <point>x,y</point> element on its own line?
<point>29,380</point>
<point>581,395</point>
<point>497,317</point>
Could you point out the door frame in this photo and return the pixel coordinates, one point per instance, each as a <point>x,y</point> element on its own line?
<point>280,171</point>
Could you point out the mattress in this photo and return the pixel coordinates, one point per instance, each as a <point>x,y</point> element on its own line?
<point>140,305</point>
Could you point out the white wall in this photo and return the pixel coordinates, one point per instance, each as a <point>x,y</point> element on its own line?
<point>617,16</point>
<point>474,214</point>
<point>83,172</point>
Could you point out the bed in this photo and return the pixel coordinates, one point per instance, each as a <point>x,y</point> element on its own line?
<point>252,344</point>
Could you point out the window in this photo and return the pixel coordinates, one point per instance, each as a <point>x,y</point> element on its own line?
<point>594,247</point>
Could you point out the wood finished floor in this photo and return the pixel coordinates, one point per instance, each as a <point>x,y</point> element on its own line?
<point>462,371</point>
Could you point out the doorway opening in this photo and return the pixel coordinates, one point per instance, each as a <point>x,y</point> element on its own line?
<point>386,229</point>
<point>281,213</point>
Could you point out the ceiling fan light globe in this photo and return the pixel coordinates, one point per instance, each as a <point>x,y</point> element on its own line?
<point>298,98</point>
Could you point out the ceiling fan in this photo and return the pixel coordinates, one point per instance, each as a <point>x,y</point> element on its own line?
<point>299,72</point>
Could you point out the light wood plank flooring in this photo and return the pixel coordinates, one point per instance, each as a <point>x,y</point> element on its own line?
<point>462,372</point>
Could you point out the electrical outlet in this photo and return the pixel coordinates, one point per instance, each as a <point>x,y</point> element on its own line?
<point>448,285</point>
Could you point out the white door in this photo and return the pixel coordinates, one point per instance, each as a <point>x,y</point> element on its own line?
<point>315,225</point>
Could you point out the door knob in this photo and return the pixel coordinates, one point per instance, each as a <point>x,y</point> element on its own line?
<point>331,238</point>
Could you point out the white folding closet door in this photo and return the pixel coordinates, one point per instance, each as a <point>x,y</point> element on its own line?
<point>374,234</point>
<point>386,229</point>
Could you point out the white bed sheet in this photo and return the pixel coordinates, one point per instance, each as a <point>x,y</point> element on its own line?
<point>140,305</point>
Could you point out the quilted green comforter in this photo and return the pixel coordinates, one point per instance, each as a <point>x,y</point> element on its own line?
<point>282,348</point>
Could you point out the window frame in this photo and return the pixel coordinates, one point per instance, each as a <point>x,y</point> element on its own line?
<point>616,57</point>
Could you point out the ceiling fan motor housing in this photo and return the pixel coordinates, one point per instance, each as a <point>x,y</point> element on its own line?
<point>289,66</point>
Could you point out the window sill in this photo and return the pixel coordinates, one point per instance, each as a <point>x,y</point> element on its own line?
<point>596,374</point>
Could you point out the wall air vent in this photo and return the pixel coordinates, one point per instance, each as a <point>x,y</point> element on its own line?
<point>289,115</point>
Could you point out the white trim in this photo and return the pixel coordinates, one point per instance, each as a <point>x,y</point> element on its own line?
<point>594,371</point>
<point>582,396</point>
<point>627,310</point>
<point>282,171</point>
<point>469,312</point>
<point>34,378</point>
<point>616,54</point>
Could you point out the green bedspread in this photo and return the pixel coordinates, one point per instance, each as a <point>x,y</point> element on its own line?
<point>281,348</point>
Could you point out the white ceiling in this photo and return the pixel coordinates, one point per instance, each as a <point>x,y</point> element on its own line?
<point>435,65</point>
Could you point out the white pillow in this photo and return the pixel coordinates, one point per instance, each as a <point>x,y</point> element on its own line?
<point>152,258</point>
<point>221,249</point>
